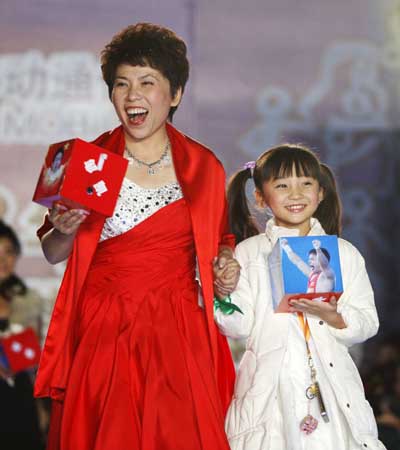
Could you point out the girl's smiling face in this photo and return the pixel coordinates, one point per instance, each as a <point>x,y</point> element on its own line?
<point>293,200</point>
<point>142,99</point>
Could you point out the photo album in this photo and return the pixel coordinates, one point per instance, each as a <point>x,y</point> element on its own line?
<point>79,174</point>
<point>305,267</point>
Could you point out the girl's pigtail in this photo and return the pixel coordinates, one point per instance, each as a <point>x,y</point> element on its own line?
<point>329,211</point>
<point>241,221</point>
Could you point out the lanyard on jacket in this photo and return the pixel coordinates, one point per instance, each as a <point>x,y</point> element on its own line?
<point>306,329</point>
<point>309,423</point>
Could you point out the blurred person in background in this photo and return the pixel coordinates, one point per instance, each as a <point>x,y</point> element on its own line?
<point>24,307</point>
<point>25,303</point>
<point>381,377</point>
<point>19,418</point>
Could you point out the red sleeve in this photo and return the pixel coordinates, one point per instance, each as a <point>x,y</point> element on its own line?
<point>228,240</point>
<point>44,228</point>
<point>226,237</point>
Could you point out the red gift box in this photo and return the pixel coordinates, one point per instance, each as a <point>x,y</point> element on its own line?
<point>81,175</point>
<point>22,350</point>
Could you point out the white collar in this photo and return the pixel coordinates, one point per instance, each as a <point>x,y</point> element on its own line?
<point>274,232</point>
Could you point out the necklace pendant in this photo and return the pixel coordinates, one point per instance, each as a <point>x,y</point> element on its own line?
<point>153,167</point>
<point>308,424</point>
<point>311,391</point>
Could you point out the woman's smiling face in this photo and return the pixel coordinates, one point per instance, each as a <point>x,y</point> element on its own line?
<point>142,100</point>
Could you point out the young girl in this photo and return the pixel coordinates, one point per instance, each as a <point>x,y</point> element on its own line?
<point>276,405</point>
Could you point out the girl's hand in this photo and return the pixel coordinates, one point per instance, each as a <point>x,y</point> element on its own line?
<point>66,221</point>
<point>226,274</point>
<point>326,311</point>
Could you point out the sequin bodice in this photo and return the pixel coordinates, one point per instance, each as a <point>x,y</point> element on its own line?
<point>135,204</point>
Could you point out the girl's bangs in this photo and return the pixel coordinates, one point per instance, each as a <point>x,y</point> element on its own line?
<point>293,162</point>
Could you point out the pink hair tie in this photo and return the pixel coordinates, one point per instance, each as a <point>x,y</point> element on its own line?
<point>250,165</point>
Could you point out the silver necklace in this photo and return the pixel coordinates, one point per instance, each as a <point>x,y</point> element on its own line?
<point>154,167</point>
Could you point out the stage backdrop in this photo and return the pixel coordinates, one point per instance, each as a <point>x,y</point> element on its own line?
<point>262,72</point>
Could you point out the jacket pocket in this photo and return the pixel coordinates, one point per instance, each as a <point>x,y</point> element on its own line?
<point>258,373</point>
<point>267,370</point>
<point>260,365</point>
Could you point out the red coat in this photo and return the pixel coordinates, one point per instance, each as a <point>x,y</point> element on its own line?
<point>202,179</point>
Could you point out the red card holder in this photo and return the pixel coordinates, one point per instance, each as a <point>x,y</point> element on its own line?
<point>22,350</point>
<point>79,174</point>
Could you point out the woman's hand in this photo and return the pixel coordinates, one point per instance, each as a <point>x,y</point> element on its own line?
<point>226,273</point>
<point>58,242</point>
<point>66,221</point>
<point>326,311</point>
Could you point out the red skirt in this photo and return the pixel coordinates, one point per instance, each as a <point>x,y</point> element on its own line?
<point>141,376</point>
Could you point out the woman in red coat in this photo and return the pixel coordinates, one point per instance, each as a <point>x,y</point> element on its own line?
<point>133,359</point>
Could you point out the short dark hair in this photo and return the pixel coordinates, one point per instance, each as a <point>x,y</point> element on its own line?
<point>323,250</point>
<point>147,44</point>
<point>12,285</point>
<point>8,233</point>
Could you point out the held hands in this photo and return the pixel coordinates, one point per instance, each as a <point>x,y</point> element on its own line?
<point>226,273</point>
<point>326,311</point>
<point>65,220</point>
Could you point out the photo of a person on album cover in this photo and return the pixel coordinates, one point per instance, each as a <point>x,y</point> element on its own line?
<point>321,276</point>
<point>54,172</point>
